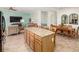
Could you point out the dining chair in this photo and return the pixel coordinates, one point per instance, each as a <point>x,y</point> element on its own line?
<point>54,29</point>
<point>78,32</point>
<point>75,33</point>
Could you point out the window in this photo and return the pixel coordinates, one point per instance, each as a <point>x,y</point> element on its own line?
<point>44,18</point>
<point>73,18</point>
<point>64,19</point>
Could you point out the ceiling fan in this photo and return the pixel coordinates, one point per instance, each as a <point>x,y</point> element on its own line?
<point>11,8</point>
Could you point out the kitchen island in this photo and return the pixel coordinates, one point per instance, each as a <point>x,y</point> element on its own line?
<point>39,40</point>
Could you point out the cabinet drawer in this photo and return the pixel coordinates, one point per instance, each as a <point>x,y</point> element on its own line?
<point>31,34</point>
<point>32,38</point>
<point>39,42</point>
<point>38,47</point>
<point>32,44</point>
<point>37,37</point>
<point>27,32</point>
<point>27,37</point>
<point>28,41</point>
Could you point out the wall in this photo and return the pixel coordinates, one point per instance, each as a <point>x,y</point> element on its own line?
<point>8,13</point>
<point>52,18</point>
<point>38,18</point>
<point>44,16</point>
<point>67,11</point>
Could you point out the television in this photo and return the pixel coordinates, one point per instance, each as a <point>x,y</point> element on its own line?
<point>14,19</point>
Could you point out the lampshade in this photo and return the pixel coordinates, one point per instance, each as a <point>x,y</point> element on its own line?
<point>22,20</point>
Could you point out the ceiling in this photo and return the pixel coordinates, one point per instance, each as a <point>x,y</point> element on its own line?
<point>33,9</point>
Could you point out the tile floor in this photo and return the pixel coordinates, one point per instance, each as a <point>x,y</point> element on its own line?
<point>16,43</point>
<point>66,44</point>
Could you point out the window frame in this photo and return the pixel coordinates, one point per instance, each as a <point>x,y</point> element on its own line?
<point>64,21</point>
<point>73,18</point>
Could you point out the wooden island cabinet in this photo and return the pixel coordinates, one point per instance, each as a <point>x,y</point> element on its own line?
<point>31,40</point>
<point>39,40</point>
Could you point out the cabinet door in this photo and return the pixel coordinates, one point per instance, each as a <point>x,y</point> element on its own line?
<point>32,42</point>
<point>38,47</point>
<point>27,37</point>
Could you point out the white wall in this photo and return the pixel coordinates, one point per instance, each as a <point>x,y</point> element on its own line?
<point>51,17</point>
<point>54,17</point>
<point>66,11</point>
<point>36,17</point>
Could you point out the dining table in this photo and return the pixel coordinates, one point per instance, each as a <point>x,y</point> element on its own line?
<point>66,30</point>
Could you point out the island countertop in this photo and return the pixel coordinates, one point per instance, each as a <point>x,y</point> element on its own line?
<point>40,31</point>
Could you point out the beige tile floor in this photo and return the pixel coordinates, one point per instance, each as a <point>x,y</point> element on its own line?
<point>66,44</point>
<point>16,43</point>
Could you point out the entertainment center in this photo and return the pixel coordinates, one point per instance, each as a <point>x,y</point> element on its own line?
<point>15,24</point>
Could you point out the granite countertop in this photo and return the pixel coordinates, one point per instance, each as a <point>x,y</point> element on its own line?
<point>39,31</point>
